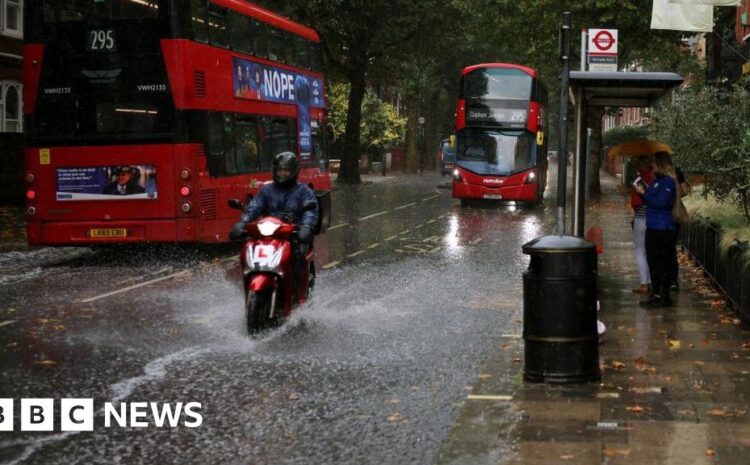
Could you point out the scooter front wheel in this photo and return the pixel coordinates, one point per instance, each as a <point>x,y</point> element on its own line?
<point>258,311</point>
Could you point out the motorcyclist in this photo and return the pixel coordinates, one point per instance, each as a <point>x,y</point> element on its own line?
<point>289,200</point>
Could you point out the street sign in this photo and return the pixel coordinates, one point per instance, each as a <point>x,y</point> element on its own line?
<point>602,50</point>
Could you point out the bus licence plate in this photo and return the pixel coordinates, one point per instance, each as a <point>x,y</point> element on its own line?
<point>107,233</point>
<point>493,196</point>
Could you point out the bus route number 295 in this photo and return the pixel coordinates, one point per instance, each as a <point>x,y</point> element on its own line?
<point>101,39</point>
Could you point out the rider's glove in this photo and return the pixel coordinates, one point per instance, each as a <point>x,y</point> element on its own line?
<point>239,231</point>
<point>305,234</point>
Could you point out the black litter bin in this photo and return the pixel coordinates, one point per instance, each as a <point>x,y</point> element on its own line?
<point>561,341</point>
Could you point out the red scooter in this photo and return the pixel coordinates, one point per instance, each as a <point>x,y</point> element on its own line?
<point>266,259</point>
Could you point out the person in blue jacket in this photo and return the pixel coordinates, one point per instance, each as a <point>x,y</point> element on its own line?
<point>289,200</point>
<point>661,231</point>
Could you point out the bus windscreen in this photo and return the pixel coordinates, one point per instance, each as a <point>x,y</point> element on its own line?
<point>498,84</point>
<point>62,11</point>
<point>496,153</point>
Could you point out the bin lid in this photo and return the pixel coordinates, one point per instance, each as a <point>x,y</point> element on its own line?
<point>557,244</point>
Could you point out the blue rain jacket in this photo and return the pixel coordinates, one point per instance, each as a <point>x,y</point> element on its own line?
<point>275,201</point>
<point>660,197</point>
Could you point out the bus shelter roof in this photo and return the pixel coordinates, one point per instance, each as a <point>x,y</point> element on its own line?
<point>623,89</point>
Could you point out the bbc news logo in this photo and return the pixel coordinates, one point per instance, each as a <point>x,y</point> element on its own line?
<point>79,415</point>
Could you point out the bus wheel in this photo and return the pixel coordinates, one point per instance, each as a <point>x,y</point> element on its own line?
<point>257,311</point>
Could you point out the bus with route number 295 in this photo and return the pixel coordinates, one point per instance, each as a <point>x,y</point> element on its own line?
<point>143,117</point>
<point>501,151</point>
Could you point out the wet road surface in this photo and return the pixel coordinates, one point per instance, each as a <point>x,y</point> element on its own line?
<point>412,294</point>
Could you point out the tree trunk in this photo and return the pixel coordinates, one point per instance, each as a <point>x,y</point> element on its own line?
<point>594,152</point>
<point>349,171</point>
<point>412,127</point>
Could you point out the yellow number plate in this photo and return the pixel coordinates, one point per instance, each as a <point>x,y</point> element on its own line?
<point>106,233</point>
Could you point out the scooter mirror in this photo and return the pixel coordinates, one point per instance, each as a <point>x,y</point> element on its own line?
<point>235,203</point>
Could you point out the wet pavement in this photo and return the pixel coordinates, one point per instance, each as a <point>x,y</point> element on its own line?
<point>675,386</point>
<point>413,295</point>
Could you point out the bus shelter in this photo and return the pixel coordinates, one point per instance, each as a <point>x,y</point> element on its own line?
<point>608,89</point>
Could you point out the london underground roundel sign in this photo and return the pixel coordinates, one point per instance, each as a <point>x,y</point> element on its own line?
<point>603,41</point>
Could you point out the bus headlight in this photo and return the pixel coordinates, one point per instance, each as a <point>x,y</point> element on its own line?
<point>186,207</point>
<point>530,177</point>
<point>31,211</point>
<point>456,175</point>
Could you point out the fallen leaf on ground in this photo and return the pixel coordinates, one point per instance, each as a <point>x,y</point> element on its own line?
<point>396,400</point>
<point>617,365</point>
<point>635,409</point>
<point>517,360</point>
<point>396,417</point>
<point>746,346</point>
<point>294,397</point>
<point>567,457</point>
<point>718,304</point>
<point>46,362</point>
<point>710,452</point>
<point>614,452</point>
<point>699,363</point>
<point>485,376</point>
<point>675,344</point>
<point>504,347</point>
<point>10,345</point>
<point>717,412</point>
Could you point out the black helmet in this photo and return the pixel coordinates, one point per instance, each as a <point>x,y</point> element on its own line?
<point>286,161</point>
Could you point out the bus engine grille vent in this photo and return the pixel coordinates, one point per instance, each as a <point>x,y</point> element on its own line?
<point>208,204</point>
<point>199,82</point>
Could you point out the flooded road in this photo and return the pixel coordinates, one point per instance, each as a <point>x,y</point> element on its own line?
<point>413,291</point>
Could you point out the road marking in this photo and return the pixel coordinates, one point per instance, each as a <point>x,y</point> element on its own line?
<point>480,397</point>
<point>431,221</point>
<point>374,246</point>
<point>512,336</point>
<point>136,286</point>
<point>232,258</point>
<point>405,206</point>
<point>8,323</point>
<point>331,265</point>
<point>392,238</point>
<point>419,226</point>
<point>430,198</point>
<point>338,226</point>
<point>405,231</point>
<point>431,238</point>
<point>476,241</point>
<point>436,249</point>
<point>372,216</point>
<point>356,254</point>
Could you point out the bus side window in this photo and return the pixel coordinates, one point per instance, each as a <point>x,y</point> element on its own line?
<point>278,137</point>
<point>230,163</point>
<point>216,164</point>
<point>316,57</point>
<point>199,20</point>
<point>246,144</point>
<point>302,51</point>
<point>288,55</point>
<point>240,33</point>
<point>275,45</point>
<point>217,25</point>
<point>260,43</point>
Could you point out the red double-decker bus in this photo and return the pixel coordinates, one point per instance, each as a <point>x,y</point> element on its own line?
<point>500,129</point>
<point>145,116</point>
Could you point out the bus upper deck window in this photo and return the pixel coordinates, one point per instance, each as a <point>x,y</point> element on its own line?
<point>217,26</point>
<point>199,20</point>
<point>302,51</point>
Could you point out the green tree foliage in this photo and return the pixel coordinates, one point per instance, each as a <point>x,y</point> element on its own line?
<point>380,126</point>
<point>621,134</point>
<point>710,132</point>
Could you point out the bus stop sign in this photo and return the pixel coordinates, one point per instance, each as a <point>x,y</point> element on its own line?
<point>602,50</point>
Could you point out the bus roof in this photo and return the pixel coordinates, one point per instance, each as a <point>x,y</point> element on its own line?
<point>269,17</point>
<point>530,71</point>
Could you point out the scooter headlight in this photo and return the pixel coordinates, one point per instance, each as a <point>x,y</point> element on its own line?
<point>267,228</point>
